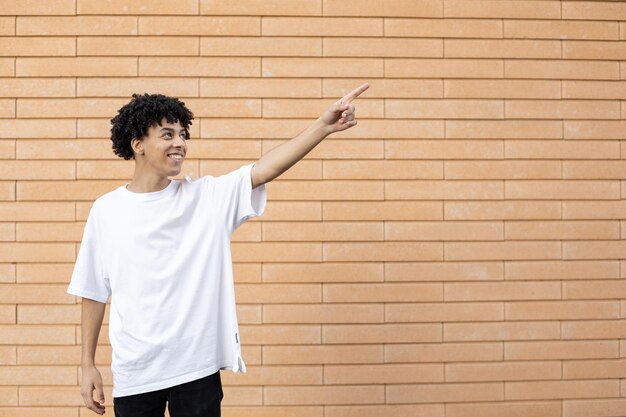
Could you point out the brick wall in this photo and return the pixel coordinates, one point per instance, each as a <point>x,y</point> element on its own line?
<point>458,253</point>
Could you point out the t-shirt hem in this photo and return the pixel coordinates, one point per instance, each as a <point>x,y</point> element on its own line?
<point>181,379</point>
<point>87,294</point>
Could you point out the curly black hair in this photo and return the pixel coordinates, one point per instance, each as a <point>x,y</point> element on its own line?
<point>142,112</point>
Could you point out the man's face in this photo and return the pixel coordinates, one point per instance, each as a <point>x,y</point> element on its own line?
<point>164,148</point>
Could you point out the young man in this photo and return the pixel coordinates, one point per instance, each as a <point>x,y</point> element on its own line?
<point>161,249</point>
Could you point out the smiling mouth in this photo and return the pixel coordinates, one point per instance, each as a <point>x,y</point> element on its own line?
<point>177,158</point>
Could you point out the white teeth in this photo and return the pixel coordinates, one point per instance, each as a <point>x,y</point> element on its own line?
<point>173,156</point>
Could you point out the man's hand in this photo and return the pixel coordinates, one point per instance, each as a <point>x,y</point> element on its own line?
<point>340,116</point>
<point>92,379</point>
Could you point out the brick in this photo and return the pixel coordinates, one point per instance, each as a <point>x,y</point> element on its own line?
<point>561,230</point>
<point>36,252</point>
<point>138,45</point>
<point>392,8</point>
<point>315,231</point>
<point>501,210</point>
<point>63,190</point>
<point>443,352</point>
<point>289,252</point>
<point>562,69</point>
<point>604,407</point>
<point>322,67</point>
<point>7,26</point>
<point>505,48</point>
<point>35,7</point>
<point>443,190</point>
<point>443,68</point>
<point>281,334</point>
<point>561,349</point>
<point>593,329</point>
<point>590,369</point>
<point>502,89</point>
<point>559,149</point>
<point>594,89</point>
<point>605,50</point>
<point>75,107</point>
<point>49,232</point>
<point>253,7</point>
<point>511,9</point>
<point>384,169</point>
<point>280,293</point>
<point>443,312</point>
<point>260,46</point>
<point>199,25</point>
<point>346,293</point>
<point>562,190</point>
<point>321,26</point>
<point>444,109</point>
<point>117,7</point>
<point>596,289</point>
<point>307,313</point>
<point>603,249</point>
<point>23,211</point>
<point>381,333</point>
<point>37,46</point>
<point>561,389</point>
<point>323,272</point>
<point>444,393</point>
<point>515,371</point>
<point>589,10</point>
<point>502,250</point>
<point>27,170</point>
<point>37,128</point>
<point>343,149</point>
<point>45,334</point>
<point>388,251</point>
<point>513,409</point>
<point>502,291</point>
<point>443,28</point>
<point>76,26</point>
<point>325,190</point>
<point>260,87</point>
<point>562,109</point>
<point>383,47</point>
<point>322,354</point>
<point>290,108</point>
<point>446,231</point>
<point>38,314</point>
<point>7,108</point>
<point>503,129</point>
<point>64,149</point>
<point>555,29</point>
<point>7,68</point>
<point>561,310</point>
<point>562,270</point>
<point>76,67</point>
<point>593,210</point>
<point>388,373</point>
<point>125,87</point>
<point>593,169</point>
<point>444,149</point>
<point>37,87</point>
<point>338,394</point>
<point>521,330</point>
<point>443,271</point>
<point>396,88</point>
<point>503,169</point>
<point>199,67</point>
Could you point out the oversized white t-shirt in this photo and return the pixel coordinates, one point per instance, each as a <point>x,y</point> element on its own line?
<point>164,258</point>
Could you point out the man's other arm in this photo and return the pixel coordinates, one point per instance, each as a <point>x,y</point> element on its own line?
<point>92,315</point>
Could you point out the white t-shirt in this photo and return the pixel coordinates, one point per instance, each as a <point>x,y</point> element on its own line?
<point>164,258</point>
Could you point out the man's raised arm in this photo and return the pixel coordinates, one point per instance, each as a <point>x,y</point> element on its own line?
<point>339,116</point>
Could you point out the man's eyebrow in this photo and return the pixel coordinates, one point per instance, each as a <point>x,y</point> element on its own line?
<point>172,130</point>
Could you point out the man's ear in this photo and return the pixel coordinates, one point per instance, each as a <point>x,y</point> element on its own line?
<point>137,145</point>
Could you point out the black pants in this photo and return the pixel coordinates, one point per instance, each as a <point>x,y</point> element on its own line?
<point>199,398</point>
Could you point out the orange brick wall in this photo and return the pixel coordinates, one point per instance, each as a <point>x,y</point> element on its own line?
<point>458,253</point>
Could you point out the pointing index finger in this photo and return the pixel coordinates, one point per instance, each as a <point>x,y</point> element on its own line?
<point>354,93</point>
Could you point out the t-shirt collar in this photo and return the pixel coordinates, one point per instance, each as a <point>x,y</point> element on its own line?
<point>153,195</point>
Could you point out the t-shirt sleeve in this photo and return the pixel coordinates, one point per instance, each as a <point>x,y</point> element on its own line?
<point>88,278</point>
<point>237,199</point>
